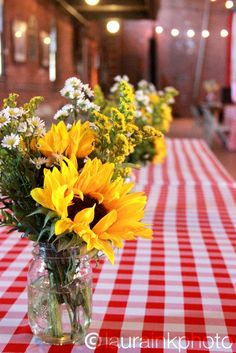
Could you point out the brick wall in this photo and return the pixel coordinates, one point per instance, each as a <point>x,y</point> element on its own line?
<point>31,78</point>
<point>177,57</point>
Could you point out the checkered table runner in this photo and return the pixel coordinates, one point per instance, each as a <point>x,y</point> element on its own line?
<point>189,161</point>
<point>174,294</point>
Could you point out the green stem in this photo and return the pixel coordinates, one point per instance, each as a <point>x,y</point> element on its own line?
<point>54,311</point>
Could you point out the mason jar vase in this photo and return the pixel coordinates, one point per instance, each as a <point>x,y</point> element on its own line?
<point>59,295</point>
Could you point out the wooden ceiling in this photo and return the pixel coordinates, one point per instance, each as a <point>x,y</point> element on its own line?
<point>126,9</point>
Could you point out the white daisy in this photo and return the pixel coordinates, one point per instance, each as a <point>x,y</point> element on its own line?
<point>4,120</point>
<point>10,141</point>
<point>67,107</point>
<point>138,114</point>
<point>114,88</point>
<point>170,89</point>
<point>64,92</point>
<point>39,132</point>
<point>171,101</point>
<point>149,109</point>
<point>142,83</point>
<point>13,113</point>
<point>22,127</point>
<point>74,82</point>
<point>36,122</point>
<point>120,78</point>
<point>36,126</point>
<point>61,114</point>
<point>38,162</point>
<point>88,90</point>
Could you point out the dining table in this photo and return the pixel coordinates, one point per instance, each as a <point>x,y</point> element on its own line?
<point>175,293</point>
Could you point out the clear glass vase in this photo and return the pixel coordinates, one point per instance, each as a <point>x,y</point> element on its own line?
<point>59,295</point>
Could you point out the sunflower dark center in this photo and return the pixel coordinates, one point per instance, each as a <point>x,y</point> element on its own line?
<point>79,205</point>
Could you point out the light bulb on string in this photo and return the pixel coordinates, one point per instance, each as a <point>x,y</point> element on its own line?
<point>113,26</point>
<point>92,2</point>
<point>190,33</point>
<point>229,4</point>
<point>159,29</point>
<point>224,33</point>
<point>174,32</point>
<point>205,33</point>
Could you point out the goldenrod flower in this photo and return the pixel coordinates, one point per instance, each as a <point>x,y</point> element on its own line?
<point>100,211</point>
<point>160,149</point>
<point>154,98</point>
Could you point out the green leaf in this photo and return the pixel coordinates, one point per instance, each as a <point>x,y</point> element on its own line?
<point>52,232</point>
<point>50,215</point>
<point>43,231</point>
<point>40,210</point>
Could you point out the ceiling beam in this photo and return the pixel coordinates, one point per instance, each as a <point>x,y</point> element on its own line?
<point>73,12</point>
<point>111,8</point>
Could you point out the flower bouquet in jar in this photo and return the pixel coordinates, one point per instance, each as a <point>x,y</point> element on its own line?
<point>152,111</point>
<point>64,189</point>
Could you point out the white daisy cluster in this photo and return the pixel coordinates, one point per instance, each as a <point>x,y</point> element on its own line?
<point>80,94</point>
<point>171,92</point>
<point>64,112</point>
<point>8,120</point>
<point>8,115</point>
<point>146,86</point>
<point>117,80</point>
<point>142,100</point>
<point>13,124</point>
<point>32,127</point>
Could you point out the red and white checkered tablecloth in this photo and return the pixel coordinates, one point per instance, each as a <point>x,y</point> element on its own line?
<point>174,294</point>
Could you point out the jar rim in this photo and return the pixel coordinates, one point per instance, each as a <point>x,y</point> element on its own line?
<point>49,251</point>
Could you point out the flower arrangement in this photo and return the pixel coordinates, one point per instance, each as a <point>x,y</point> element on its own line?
<point>63,188</point>
<point>211,86</point>
<point>152,109</point>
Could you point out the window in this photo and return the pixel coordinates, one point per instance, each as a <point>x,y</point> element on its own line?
<point>53,53</point>
<point>1,37</point>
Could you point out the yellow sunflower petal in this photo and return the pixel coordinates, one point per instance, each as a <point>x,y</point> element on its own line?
<point>60,201</point>
<point>85,216</point>
<point>63,226</point>
<point>106,247</point>
<point>106,222</point>
<point>41,197</point>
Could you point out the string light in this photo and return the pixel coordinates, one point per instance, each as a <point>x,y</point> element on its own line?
<point>205,33</point>
<point>159,29</point>
<point>229,4</point>
<point>174,32</point>
<point>113,26</point>
<point>18,34</point>
<point>92,2</point>
<point>190,33</point>
<point>224,33</point>
<point>47,40</point>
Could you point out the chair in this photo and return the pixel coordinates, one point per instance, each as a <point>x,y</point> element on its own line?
<point>197,113</point>
<point>211,128</point>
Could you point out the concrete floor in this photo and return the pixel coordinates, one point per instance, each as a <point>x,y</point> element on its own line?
<point>186,127</point>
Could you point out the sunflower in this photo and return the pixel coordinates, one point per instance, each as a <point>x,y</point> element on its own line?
<point>160,150</point>
<point>58,141</point>
<point>100,211</point>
